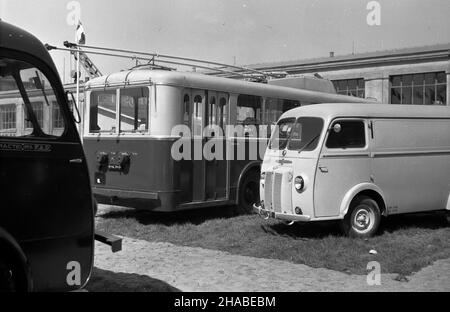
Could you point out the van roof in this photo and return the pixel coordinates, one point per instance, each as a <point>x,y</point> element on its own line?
<point>208,82</point>
<point>374,110</point>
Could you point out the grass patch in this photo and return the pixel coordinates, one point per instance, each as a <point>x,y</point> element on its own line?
<point>406,243</point>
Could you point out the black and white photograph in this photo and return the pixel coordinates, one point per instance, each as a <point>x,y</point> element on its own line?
<point>229,152</point>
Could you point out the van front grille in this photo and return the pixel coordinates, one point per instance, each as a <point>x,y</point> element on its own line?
<point>276,189</point>
<point>268,190</point>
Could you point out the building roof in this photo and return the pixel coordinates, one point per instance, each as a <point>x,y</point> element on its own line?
<point>439,51</point>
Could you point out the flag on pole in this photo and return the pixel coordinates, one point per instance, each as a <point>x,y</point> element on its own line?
<point>81,37</point>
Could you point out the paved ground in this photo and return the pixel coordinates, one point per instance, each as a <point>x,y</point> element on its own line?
<point>151,266</point>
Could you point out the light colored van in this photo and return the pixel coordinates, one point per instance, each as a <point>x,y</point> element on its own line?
<point>355,163</point>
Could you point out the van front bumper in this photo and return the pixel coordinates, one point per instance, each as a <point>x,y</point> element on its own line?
<point>266,214</point>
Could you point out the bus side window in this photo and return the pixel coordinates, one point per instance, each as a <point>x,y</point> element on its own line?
<point>275,108</point>
<point>186,110</point>
<point>347,134</point>
<point>222,113</point>
<point>102,111</point>
<point>249,114</point>
<point>212,111</point>
<point>133,109</point>
<point>217,112</point>
<point>197,116</point>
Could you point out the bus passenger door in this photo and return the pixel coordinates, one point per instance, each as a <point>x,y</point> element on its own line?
<point>198,166</point>
<point>215,164</point>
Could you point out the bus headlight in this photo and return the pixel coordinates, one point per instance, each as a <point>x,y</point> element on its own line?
<point>299,184</point>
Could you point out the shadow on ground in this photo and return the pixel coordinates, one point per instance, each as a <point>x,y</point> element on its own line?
<point>107,281</point>
<point>311,230</point>
<point>195,216</point>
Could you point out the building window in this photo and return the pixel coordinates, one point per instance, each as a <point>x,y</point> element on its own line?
<point>352,87</point>
<point>58,119</point>
<point>419,89</point>
<point>8,119</point>
<point>38,110</point>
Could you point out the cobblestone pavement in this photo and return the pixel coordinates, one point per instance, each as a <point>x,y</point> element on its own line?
<point>153,266</point>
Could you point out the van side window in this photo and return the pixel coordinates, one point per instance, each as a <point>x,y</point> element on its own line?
<point>351,135</point>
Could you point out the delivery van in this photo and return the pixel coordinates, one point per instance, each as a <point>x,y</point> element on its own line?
<point>356,163</point>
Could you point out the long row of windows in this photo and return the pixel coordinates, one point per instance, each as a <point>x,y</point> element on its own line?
<point>249,112</point>
<point>351,87</point>
<point>9,125</point>
<point>420,89</point>
<point>424,89</point>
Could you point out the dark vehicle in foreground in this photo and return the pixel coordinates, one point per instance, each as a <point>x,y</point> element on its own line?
<point>47,208</point>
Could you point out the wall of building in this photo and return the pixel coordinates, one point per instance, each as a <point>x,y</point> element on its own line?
<point>376,78</point>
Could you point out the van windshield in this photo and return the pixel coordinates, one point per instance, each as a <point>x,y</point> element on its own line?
<point>28,104</point>
<point>301,134</point>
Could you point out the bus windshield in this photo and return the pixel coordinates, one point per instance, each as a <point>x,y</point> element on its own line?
<point>133,110</point>
<point>301,134</point>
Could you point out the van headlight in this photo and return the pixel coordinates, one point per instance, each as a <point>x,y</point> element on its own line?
<point>299,184</point>
<point>262,179</point>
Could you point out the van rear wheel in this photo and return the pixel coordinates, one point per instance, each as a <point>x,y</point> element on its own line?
<point>363,218</point>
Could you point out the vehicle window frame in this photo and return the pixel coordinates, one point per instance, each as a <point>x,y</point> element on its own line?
<point>311,147</point>
<point>69,134</point>
<point>336,120</point>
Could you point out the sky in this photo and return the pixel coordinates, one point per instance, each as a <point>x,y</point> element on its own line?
<point>232,31</point>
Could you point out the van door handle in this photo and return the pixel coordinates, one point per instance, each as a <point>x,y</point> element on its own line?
<point>323,169</point>
<point>76,161</point>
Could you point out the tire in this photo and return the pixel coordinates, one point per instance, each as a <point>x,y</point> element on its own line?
<point>362,219</point>
<point>447,217</point>
<point>248,192</point>
<point>8,281</point>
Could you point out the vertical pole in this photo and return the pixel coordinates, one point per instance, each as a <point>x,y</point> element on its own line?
<point>78,84</point>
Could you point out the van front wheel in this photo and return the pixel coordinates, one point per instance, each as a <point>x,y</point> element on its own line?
<point>363,218</point>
